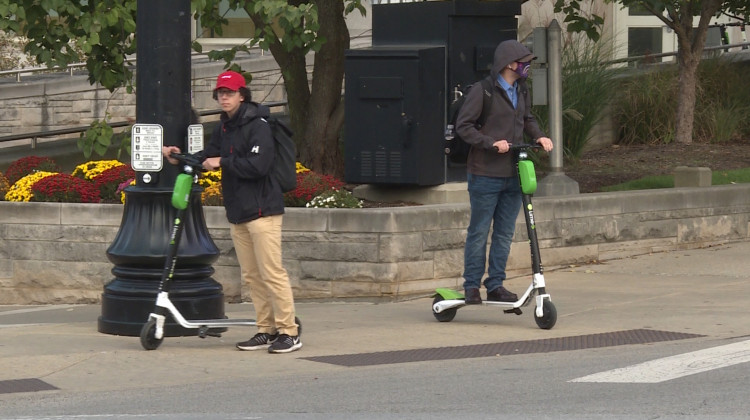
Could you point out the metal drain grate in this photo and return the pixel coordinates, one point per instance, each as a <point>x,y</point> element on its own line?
<point>617,338</point>
<point>25,385</point>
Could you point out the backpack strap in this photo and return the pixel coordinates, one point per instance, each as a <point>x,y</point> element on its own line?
<point>487,87</point>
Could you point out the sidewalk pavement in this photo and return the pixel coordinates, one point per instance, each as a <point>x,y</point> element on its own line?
<point>701,291</point>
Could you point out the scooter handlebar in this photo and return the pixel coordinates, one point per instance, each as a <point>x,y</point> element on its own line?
<point>189,160</point>
<point>520,147</point>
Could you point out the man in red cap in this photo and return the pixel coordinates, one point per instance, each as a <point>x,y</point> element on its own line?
<point>243,147</point>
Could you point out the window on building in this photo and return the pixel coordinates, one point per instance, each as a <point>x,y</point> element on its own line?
<point>638,10</point>
<point>239,26</point>
<point>644,41</point>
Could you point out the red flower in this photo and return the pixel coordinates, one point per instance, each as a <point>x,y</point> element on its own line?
<point>310,184</point>
<point>26,165</point>
<point>64,188</point>
<point>109,181</point>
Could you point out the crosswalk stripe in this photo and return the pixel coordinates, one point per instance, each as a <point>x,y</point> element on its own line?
<point>673,367</point>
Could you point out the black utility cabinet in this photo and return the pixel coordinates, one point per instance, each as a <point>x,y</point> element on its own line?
<point>397,96</point>
<point>398,91</point>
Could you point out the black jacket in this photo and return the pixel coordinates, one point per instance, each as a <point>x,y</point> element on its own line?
<point>247,152</point>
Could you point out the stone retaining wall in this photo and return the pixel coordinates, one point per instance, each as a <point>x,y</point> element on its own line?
<point>56,253</point>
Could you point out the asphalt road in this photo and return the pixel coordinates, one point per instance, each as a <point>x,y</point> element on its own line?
<point>695,301</point>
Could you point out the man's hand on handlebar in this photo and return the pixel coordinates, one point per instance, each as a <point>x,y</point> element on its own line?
<point>545,142</point>
<point>167,151</point>
<point>212,163</point>
<point>501,146</point>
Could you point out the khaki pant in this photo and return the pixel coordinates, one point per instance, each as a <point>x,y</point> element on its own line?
<point>258,247</point>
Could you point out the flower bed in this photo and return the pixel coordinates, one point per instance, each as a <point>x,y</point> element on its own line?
<point>34,178</point>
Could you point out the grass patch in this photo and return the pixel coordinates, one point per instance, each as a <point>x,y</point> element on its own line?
<point>736,176</point>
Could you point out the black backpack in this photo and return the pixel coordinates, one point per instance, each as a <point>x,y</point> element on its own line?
<point>456,149</point>
<point>285,163</point>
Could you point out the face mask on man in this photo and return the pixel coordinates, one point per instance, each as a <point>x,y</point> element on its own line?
<point>522,70</point>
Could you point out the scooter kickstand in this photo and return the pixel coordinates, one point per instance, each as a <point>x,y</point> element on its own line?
<point>204,331</point>
<point>516,311</point>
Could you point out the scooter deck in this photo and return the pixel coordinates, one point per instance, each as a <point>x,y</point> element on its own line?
<point>222,322</point>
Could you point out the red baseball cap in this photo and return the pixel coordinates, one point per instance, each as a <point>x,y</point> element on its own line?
<point>230,80</point>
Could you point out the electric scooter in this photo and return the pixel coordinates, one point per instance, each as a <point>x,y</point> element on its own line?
<point>446,302</point>
<point>152,332</point>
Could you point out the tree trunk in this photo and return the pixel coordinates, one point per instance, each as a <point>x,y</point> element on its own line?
<point>325,113</point>
<point>687,84</point>
<point>315,109</point>
<point>690,43</point>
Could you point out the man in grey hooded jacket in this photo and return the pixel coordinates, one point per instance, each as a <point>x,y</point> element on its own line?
<point>494,190</point>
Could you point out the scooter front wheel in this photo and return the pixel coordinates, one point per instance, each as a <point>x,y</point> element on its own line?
<point>549,316</point>
<point>148,335</point>
<point>446,315</point>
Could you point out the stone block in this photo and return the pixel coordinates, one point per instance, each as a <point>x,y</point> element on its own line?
<point>448,263</point>
<point>31,213</point>
<point>332,251</point>
<point>400,247</point>
<point>444,239</point>
<point>711,228</point>
<point>62,275</point>
<point>692,176</point>
<point>6,268</point>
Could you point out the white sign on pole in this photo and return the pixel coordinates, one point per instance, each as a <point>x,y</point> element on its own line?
<point>195,138</point>
<point>145,147</point>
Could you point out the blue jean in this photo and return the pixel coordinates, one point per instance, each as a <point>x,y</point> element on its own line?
<point>493,201</point>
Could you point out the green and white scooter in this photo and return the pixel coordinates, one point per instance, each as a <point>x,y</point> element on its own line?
<point>152,332</point>
<point>446,302</point>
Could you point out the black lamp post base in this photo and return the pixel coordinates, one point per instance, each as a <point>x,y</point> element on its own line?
<point>125,313</point>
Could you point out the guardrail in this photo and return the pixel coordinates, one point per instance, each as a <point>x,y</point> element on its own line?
<point>743,45</point>
<point>33,137</point>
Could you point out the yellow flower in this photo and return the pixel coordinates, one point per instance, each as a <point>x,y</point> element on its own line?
<point>210,178</point>
<point>92,169</point>
<point>21,190</point>
<point>301,168</point>
<point>122,193</point>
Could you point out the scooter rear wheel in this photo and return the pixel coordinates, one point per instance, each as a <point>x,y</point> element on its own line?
<point>446,315</point>
<point>148,336</point>
<point>549,316</point>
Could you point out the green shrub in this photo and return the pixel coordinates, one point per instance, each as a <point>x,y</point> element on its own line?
<point>335,199</point>
<point>644,109</point>
<point>588,88</point>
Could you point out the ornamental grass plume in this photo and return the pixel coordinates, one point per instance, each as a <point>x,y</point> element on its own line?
<point>21,190</point>
<point>64,188</point>
<point>27,165</point>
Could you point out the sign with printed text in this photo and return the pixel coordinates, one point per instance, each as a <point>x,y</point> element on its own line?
<point>145,147</point>
<point>195,138</point>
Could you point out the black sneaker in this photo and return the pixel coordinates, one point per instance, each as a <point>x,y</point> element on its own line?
<point>501,294</point>
<point>258,342</point>
<point>285,344</point>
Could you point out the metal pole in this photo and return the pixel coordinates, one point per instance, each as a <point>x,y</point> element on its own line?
<point>140,247</point>
<point>556,182</point>
<point>555,93</point>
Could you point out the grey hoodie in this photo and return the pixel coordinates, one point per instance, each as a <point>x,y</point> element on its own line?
<point>503,123</point>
